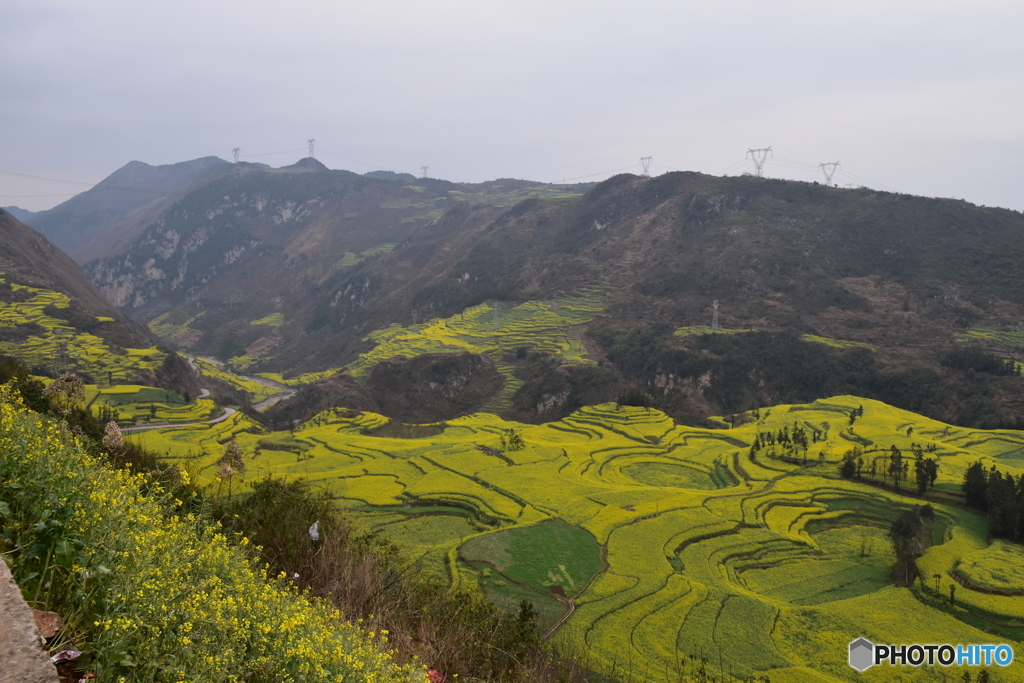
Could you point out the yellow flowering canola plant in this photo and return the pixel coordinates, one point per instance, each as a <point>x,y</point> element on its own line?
<point>151,596</point>
<point>672,541</point>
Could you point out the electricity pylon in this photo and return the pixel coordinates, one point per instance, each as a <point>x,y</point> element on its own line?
<point>759,156</point>
<point>424,169</point>
<point>311,142</point>
<point>645,163</point>
<point>829,170</point>
<point>236,151</point>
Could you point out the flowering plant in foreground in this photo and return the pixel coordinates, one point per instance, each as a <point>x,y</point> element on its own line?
<point>151,595</point>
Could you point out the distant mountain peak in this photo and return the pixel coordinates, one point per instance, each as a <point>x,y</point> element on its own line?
<point>23,215</point>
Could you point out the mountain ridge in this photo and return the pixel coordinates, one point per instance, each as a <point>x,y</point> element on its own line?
<point>93,223</point>
<point>888,282</point>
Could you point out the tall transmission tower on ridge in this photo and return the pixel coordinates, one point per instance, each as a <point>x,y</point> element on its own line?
<point>311,142</point>
<point>236,152</point>
<point>714,316</point>
<point>645,163</point>
<point>829,170</point>
<point>424,169</point>
<point>759,156</point>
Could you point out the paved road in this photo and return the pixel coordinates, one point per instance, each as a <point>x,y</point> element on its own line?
<point>284,392</point>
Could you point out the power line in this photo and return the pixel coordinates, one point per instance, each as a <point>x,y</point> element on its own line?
<point>801,164</point>
<point>591,175</point>
<point>271,154</point>
<point>75,182</point>
<point>55,180</point>
<point>376,167</point>
<point>738,163</point>
<point>26,196</point>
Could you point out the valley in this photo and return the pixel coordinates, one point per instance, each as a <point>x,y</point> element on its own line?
<point>526,389</point>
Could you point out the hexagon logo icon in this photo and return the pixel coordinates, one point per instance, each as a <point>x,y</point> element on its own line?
<point>862,653</point>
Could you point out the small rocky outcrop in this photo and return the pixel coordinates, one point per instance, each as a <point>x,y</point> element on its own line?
<point>22,659</point>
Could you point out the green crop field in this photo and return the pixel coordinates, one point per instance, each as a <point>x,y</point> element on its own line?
<point>667,540</point>
<point>1010,337</point>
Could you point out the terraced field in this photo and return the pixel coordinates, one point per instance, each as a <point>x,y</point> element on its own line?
<point>493,330</point>
<point>128,403</point>
<point>41,340</point>
<point>664,540</point>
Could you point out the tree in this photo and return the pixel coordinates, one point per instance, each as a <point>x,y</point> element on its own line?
<point>896,466</point>
<point>975,486</point>
<point>850,467</point>
<point>920,471</point>
<point>909,533</point>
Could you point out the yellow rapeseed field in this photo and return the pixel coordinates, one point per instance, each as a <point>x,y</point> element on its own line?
<point>768,560</point>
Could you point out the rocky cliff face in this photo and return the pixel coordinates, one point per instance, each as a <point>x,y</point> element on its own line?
<point>92,225</point>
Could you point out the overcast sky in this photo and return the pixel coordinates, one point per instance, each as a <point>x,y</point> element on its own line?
<point>918,97</point>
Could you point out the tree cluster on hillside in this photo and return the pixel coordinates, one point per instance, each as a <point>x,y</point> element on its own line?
<point>791,446</point>
<point>892,467</point>
<point>976,360</point>
<point>1000,496</point>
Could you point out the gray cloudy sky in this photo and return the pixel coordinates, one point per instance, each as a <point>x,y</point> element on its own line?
<point>919,97</point>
